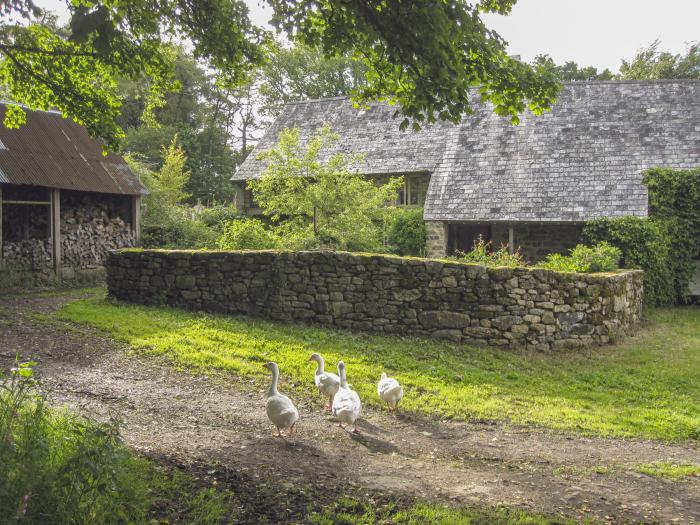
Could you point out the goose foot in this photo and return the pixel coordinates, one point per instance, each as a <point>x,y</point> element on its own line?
<point>279,434</point>
<point>355,430</point>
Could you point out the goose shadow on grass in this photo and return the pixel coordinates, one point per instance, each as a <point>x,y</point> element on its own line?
<point>445,428</point>
<point>372,443</point>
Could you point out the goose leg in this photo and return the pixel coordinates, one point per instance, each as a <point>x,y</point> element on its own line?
<point>279,433</point>
<point>291,430</point>
<point>329,406</point>
<point>355,430</point>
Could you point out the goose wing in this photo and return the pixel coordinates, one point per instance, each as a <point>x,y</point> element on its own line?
<point>327,383</point>
<point>281,411</point>
<point>389,389</point>
<point>347,405</point>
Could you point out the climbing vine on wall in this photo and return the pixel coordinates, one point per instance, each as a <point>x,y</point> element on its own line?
<point>665,244</point>
<point>674,197</point>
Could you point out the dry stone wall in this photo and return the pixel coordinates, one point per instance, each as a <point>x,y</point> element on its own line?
<point>514,307</point>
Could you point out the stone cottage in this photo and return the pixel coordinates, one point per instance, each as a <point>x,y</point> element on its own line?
<point>63,204</point>
<point>531,186</point>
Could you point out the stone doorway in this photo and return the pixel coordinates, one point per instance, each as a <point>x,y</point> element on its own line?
<point>461,237</point>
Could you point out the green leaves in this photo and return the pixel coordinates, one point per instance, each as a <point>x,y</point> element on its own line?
<point>585,259</point>
<point>674,199</point>
<point>44,71</point>
<point>303,72</point>
<point>120,39</point>
<point>15,116</point>
<point>644,244</point>
<point>650,63</point>
<point>426,56</point>
<point>316,197</point>
<point>25,369</point>
<point>570,70</point>
<point>171,179</point>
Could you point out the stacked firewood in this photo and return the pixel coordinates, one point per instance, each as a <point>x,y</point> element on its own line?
<point>89,232</point>
<point>32,253</point>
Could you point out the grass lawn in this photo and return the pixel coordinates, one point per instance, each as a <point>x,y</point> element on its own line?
<point>668,470</point>
<point>647,387</point>
<point>349,511</point>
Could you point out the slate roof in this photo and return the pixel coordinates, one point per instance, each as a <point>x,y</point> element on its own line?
<point>52,151</point>
<point>582,160</point>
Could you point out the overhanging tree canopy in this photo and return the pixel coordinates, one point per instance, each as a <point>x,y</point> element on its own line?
<point>426,55</point>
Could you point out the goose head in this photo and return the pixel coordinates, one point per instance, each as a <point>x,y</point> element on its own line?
<point>271,366</point>
<point>341,374</point>
<point>316,357</point>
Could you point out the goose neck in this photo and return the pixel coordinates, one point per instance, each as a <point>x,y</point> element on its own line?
<point>273,385</point>
<point>319,366</point>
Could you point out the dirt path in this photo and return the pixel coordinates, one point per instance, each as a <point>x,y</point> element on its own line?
<point>204,421</point>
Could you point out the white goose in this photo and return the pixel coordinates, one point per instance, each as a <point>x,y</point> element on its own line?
<point>327,382</point>
<point>346,404</point>
<point>390,391</point>
<point>280,409</point>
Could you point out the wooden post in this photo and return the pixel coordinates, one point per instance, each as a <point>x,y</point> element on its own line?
<point>56,230</point>
<point>239,199</point>
<point>511,239</point>
<point>136,218</point>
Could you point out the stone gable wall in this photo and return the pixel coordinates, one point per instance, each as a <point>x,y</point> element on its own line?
<point>514,307</point>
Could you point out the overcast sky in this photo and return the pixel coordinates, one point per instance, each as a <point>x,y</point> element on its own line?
<point>590,32</point>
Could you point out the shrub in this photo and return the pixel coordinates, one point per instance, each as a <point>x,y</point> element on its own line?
<point>172,228</point>
<point>60,469</point>
<point>165,223</point>
<point>321,199</point>
<point>674,198</point>
<point>644,244</point>
<point>55,468</point>
<point>248,234</point>
<point>217,217</point>
<point>406,232</point>
<point>585,259</point>
<point>482,253</point>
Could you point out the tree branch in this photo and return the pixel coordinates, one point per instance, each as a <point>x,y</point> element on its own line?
<point>24,49</point>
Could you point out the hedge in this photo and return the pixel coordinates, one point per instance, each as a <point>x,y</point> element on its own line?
<point>665,244</point>
<point>644,244</point>
<point>674,197</point>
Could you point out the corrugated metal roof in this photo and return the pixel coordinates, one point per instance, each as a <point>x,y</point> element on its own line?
<point>53,151</point>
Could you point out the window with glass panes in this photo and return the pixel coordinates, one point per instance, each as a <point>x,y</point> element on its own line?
<point>414,190</point>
